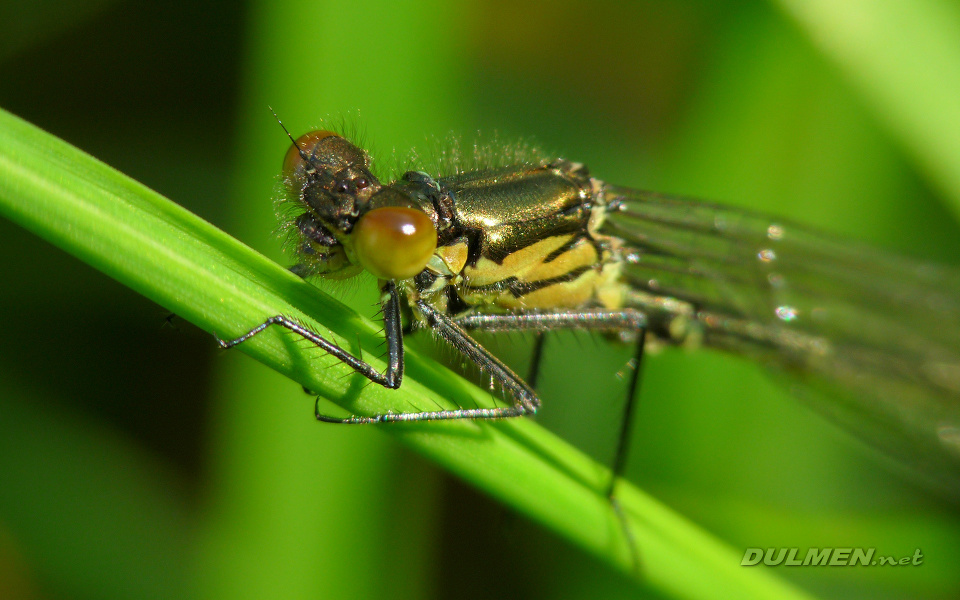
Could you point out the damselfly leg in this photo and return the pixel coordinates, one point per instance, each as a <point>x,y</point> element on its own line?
<point>391,322</point>
<point>628,320</point>
<point>626,420</point>
<point>536,357</point>
<point>526,399</point>
<point>452,330</point>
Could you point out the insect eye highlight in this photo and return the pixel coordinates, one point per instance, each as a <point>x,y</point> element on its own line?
<point>394,242</point>
<point>307,142</point>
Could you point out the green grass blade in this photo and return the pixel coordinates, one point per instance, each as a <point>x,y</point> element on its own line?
<point>904,58</point>
<point>190,267</point>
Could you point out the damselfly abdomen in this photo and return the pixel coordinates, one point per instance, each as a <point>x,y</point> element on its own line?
<point>539,245</point>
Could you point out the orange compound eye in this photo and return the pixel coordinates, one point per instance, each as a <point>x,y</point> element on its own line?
<point>306,142</point>
<point>394,242</point>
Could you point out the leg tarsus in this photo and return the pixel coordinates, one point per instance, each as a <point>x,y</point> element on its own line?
<point>627,532</point>
<point>538,344</point>
<point>626,423</point>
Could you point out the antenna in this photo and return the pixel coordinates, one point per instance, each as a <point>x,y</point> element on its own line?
<point>303,154</point>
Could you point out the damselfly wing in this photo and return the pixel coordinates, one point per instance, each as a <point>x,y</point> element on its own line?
<point>878,333</point>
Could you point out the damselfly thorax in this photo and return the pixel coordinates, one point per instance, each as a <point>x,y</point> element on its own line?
<point>540,245</point>
<point>522,239</point>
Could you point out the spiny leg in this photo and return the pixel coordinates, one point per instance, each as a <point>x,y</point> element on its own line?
<point>622,320</point>
<point>444,326</point>
<point>391,320</point>
<point>526,398</point>
<point>627,319</point>
<point>389,380</point>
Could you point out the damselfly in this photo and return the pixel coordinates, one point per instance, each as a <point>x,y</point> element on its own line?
<point>538,245</point>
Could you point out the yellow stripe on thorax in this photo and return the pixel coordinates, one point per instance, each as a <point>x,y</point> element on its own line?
<point>596,285</point>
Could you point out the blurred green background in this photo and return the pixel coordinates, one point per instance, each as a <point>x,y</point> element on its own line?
<point>136,461</point>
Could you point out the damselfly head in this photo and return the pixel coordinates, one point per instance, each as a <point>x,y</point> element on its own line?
<point>326,180</point>
<point>351,221</point>
<point>331,177</point>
